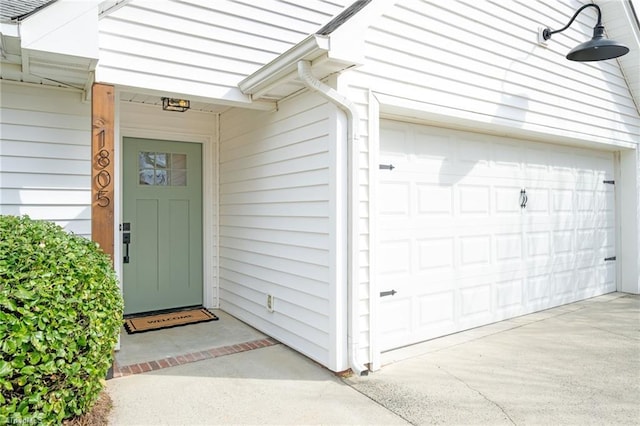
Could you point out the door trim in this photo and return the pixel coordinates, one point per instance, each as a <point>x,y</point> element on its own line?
<point>209,204</point>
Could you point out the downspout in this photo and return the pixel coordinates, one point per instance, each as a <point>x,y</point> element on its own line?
<point>304,72</point>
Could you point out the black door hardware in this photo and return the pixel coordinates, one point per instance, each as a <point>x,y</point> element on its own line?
<point>610,182</point>
<point>608,259</point>
<point>387,167</point>
<point>523,198</point>
<point>387,293</point>
<point>126,240</point>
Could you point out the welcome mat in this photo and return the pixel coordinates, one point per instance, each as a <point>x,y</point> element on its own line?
<point>168,320</point>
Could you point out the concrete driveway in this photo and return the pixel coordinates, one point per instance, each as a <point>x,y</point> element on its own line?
<point>577,364</point>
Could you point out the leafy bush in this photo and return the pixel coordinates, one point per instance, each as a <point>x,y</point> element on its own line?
<point>60,314</point>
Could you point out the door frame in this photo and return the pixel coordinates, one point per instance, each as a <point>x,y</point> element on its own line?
<point>210,293</point>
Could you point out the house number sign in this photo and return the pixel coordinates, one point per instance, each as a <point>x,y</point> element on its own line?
<point>102,161</point>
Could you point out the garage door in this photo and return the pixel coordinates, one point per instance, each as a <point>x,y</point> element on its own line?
<point>474,229</point>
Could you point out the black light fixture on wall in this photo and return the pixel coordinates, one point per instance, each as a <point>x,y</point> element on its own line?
<point>172,104</point>
<point>598,48</point>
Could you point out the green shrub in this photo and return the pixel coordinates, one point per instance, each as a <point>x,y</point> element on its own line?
<point>60,314</point>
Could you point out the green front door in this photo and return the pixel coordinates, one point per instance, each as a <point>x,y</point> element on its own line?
<point>162,205</point>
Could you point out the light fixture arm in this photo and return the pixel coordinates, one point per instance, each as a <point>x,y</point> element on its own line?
<point>547,33</point>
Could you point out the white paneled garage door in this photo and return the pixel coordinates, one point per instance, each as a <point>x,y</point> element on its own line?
<point>474,229</point>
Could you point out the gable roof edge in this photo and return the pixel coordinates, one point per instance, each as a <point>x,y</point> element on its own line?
<point>65,27</point>
<point>621,21</point>
<point>337,46</point>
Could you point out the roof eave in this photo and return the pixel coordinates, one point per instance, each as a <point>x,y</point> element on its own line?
<point>337,46</point>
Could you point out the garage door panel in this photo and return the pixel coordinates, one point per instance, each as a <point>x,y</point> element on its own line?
<point>586,239</point>
<point>475,304</point>
<point>507,200</point>
<point>508,247</point>
<point>607,277</point>
<point>566,262</point>
<point>474,199</point>
<point>605,202</point>
<point>396,331</point>
<point>471,150</point>
<point>562,163</point>
<point>465,252</point>
<point>585,201</point>
<point>395,143</point>
<point>396,196</point>
<point>563,241</point>
<point>538,245</point>
<point>564,285</point>
<point>397,255</point>
<point>443,142</point>
<point>509,296</point>
<point>537,200</point>
<point>434,199</point>
<point>537,162</point>
<point>507,158</point>
<point>606,237</point>
<point>586,278</point>
<point>588,257</point>
<point>436,253</point>
<point>538,289</point>
<point>562,201</point>
<point>436,309</point>
<point>475,251</point>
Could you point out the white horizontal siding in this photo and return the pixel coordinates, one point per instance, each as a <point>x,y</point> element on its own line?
<point>618,19</point>
<point>45,153</point>
<point>278,223</point>
<point>481,59</point>
<point>199,47</point>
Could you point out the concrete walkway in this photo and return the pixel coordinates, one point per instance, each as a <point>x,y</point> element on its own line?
<point>577,364</point>
<point>273,385</point>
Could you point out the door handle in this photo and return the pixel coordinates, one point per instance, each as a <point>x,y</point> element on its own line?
<point>523,198</point>
<point>126,240</point>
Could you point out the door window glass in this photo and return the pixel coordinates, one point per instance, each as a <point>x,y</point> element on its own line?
<point>162,169</point>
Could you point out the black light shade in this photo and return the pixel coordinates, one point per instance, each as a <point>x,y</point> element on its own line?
<point>598,48</point>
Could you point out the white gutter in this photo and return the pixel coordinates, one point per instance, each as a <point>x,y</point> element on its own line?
<point>353,297</point>
<point>9,29</point>
<point>272,73</point>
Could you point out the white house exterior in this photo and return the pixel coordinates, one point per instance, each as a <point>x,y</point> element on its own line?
<point>412,169</point>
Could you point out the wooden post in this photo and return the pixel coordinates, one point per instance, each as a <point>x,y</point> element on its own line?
<point>102,166</point>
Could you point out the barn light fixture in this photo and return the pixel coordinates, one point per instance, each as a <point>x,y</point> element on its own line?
<point>598,48</point>
<point>172,104</point>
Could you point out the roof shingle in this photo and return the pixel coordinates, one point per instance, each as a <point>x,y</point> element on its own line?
<point>16,9</point>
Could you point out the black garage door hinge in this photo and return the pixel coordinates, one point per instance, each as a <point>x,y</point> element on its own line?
<point>387,167</point>
<point>608,259</point>
<point>387,293</point>
<point>610,182</point>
